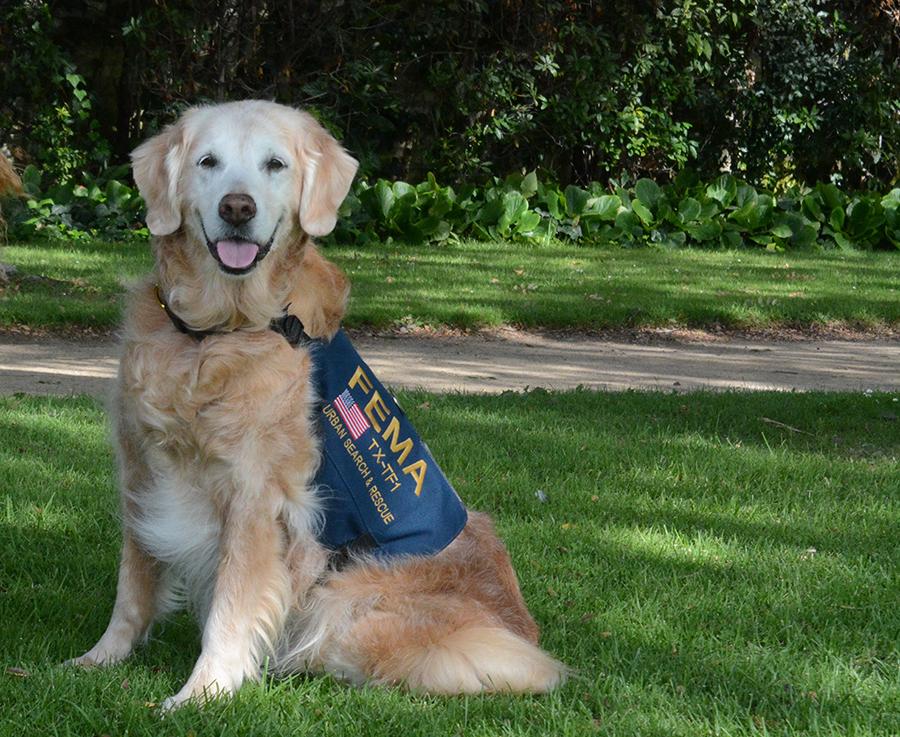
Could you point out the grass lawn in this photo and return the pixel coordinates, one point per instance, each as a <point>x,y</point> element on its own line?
<point>476,284</point>
<point>705,571</point>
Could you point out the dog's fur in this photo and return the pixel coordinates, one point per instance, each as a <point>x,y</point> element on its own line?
<point>10,184</point>
<point>217,450</point>
<point>9,181</point>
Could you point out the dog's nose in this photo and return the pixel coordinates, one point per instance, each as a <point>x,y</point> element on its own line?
<point>237,209</point>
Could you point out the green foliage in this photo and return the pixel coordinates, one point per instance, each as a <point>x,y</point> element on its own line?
<point>724,213</point>
<point>102,206</point>
<point>777,91</point>
<point>46,104</point>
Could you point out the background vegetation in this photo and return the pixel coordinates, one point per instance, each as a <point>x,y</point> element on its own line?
<point>758,123</point>
<point>725,212</point>
<point>773,90</point>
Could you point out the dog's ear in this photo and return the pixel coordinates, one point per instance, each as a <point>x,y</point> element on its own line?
<point>157,165</point>
<point>328,171</point>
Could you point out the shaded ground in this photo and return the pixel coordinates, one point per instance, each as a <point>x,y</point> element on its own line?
<point>514,360</point>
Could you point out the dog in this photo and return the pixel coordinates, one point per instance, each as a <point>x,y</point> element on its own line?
<point>10,184</point>
<point>217,448</point>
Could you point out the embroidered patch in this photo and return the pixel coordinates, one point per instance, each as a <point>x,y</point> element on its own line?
<point>380,485</point>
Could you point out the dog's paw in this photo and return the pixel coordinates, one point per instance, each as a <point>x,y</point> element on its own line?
<point>193,695</point>
<point>320,324</point>
<point>110,649</point>
<point>170,704</point>
<point>208,681</point>
<point>96,656</point>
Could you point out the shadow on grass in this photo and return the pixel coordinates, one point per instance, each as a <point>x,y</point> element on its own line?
<point>651,289</point>
<point>691,556</point>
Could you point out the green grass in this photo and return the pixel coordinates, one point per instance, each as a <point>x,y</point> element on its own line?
<point>82,284</point>
<point>475,284</point>
<point>705,571</point>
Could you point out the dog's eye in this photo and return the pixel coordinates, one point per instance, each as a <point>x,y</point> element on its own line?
<point>275,164</point>
<point>208,161</point>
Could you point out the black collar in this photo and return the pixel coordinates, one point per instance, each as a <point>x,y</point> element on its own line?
<point>288,326</point>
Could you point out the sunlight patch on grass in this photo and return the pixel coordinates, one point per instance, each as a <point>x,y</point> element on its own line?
<point>476,284</point>
<point>699,569</point>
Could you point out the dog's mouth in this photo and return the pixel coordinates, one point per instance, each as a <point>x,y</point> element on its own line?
<point>238,255</point>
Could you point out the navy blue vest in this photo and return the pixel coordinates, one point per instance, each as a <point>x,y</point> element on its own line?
<point>382,490</point>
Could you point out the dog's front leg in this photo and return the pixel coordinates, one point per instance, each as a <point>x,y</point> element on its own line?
<point>248,605</point>
<point>134,610</point>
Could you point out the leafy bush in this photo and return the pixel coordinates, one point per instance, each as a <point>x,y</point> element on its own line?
<point>724,213</point>
<point>102,206</point>
<point>45,105</point>
<point>776,91</point>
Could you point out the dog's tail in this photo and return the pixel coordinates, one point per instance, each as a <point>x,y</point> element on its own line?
<point>473,660</point>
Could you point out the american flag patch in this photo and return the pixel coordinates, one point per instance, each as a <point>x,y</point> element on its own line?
<point>350,413</point>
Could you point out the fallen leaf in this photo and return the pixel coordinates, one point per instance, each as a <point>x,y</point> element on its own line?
<point>776,423</point>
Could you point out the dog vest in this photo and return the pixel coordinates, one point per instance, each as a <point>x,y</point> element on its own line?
<point>382,491</point>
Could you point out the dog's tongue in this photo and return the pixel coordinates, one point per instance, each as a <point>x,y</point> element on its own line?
<point>236,254</point>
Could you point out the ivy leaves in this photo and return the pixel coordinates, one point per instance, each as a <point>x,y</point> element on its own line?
<point>722,213</point>
<point>725,212</point>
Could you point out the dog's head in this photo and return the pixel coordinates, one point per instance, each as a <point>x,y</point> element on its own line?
<point>241,178</point>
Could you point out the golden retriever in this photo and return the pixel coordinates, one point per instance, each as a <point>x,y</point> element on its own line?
<point>9,181</point>
<point>217,447</point>
<point>10,184</point>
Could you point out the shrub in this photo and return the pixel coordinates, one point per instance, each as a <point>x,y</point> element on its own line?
<point>776,91</point>
<point>93,207</point>
<point>722,213</point>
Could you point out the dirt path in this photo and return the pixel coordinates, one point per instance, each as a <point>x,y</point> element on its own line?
<point>513,360</point>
